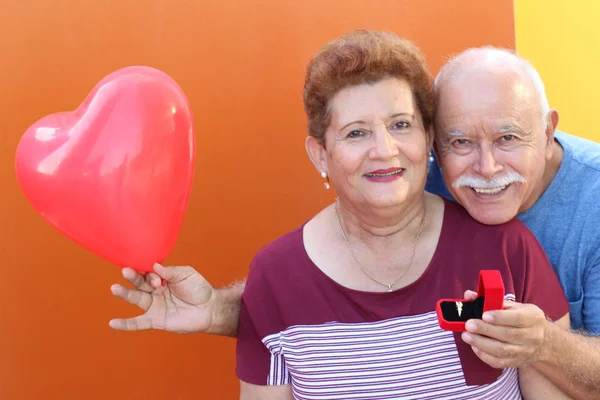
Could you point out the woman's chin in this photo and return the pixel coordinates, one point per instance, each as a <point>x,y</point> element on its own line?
<point>385,200</point>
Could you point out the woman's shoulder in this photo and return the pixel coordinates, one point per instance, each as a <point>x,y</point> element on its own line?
<point>458,216</point>
<point>280,271</point>
<point>512,238</point>
<point>282,252</point>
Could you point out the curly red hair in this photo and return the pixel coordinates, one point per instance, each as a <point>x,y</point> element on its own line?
<point>360,57</point>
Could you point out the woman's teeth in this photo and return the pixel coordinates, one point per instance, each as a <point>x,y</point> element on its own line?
<point>388,174</point>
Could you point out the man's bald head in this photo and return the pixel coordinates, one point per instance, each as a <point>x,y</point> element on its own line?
<point>494,133</point>
<point>496,63</point>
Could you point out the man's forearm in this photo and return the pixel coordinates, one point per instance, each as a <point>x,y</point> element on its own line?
<point>572,362</point>
<point>226,313</point>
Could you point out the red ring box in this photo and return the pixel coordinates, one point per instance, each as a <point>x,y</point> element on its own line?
<point>490,296</point>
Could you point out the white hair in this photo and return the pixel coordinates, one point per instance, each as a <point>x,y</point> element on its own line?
<point>493,57</point>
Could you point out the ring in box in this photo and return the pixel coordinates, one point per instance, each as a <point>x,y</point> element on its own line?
<point>454,313</point>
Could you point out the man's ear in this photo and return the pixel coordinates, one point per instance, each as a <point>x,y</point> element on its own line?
<point>436,150</point>
<point>551,122</point>
<point>317,153</point>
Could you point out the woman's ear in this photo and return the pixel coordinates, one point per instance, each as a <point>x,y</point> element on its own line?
<point>430,138</point>
<point>317,154</point>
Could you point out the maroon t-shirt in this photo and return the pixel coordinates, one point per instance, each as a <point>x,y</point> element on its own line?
<point>300,327</point>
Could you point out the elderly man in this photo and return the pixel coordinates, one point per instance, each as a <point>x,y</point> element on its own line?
<point>500,158</point>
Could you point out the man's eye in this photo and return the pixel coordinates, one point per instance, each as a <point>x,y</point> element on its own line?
<point>460,142</point>
<point>401,125</point>
<point>508,138</point>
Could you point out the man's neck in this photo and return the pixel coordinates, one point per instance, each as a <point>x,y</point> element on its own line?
<point>550,171</point>
<point>552,166</point>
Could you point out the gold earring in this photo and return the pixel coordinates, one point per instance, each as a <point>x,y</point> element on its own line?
<point>324,176</point>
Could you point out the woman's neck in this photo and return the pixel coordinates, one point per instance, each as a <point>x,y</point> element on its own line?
<point>372,253</point>
<point>377,225</point>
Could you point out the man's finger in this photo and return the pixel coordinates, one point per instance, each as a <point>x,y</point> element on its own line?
<point>504,352</point>
<point>519,317</point>
<point>491,360</point>
<point>470,295</point>
<point>139,323</point>
<point>136,279</point>
<point>506,334</point>
<point>490,344</point>
<point>136,297</point>
<point>489,316</point>
<point>154,279</point>
<point>173,274</point>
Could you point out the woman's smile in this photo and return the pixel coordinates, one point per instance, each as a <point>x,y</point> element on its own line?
<point>385,175</point>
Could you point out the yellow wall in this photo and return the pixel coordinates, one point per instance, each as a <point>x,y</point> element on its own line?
<point>562,39</point>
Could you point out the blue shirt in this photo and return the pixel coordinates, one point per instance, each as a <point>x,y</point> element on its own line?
<point>566,221</point>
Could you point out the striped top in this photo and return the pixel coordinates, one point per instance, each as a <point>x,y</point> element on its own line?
<point>299,327</point>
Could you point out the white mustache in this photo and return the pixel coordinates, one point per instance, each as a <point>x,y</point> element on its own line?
<point>481,183</point>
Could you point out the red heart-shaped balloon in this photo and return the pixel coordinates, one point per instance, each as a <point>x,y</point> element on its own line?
<point>115,174</point>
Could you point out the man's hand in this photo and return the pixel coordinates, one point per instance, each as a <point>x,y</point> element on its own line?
<point>510,337</point>
<point>185,304</point>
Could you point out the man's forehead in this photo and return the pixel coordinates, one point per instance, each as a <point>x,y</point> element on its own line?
<point>498,121</point>
<point>487,88</point>
<point>491,115</point>
<point>492,104</point>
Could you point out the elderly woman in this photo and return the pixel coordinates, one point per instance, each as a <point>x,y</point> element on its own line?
<point>343,307</point>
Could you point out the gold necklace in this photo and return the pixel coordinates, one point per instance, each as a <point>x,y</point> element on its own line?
<point>389,286</point>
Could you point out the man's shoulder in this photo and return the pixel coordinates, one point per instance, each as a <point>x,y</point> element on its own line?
<point>585,153</point>
<point>566,215</point>
<point>580,183</point>
<point>435,182</point>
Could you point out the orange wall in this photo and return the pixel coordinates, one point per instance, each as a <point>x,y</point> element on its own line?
<point>241,63</point>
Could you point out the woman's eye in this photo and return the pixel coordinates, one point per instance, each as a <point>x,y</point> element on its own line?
<point>355,133</point>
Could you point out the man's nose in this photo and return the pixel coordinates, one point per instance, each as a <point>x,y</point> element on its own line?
<point>487,165</point>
